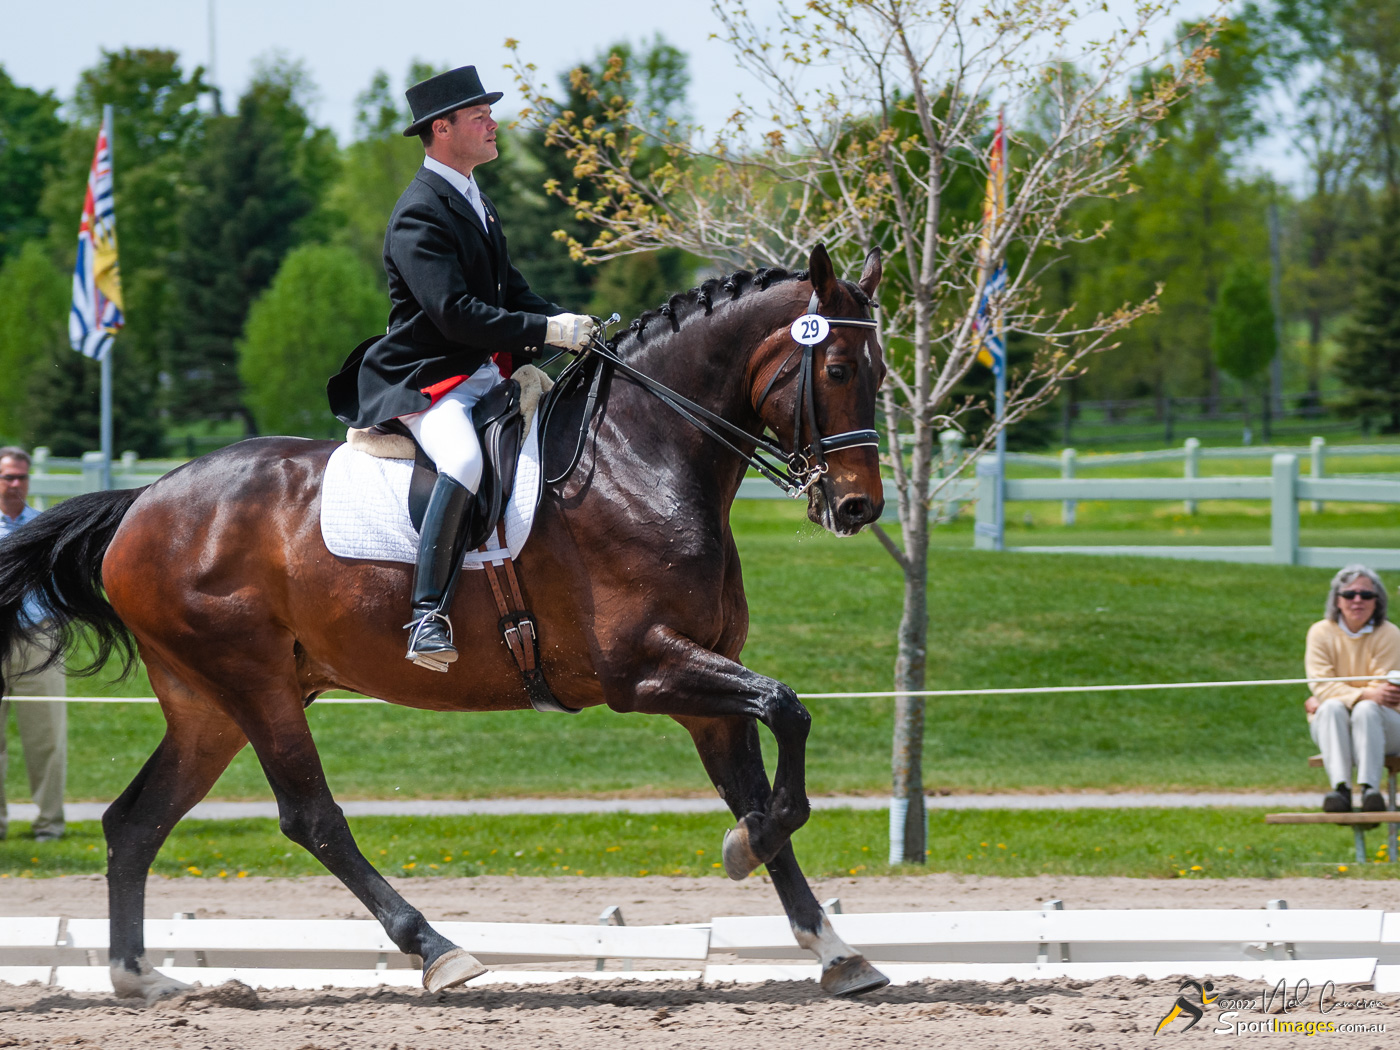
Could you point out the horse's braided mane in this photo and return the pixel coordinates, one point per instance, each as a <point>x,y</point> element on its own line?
<point>715,291</point>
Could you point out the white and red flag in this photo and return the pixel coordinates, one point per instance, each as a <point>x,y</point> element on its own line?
<point>97,286</point>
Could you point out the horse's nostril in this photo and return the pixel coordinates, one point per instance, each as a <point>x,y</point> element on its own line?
<point>855,509</point>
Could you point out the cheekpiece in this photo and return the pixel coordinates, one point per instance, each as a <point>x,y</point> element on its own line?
<point>437,96</point>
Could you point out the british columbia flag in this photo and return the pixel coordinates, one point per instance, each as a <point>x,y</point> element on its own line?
<point>991,345</point>
<point>97,286</point>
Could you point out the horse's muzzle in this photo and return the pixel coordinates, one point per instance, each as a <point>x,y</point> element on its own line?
<point>853,511</point>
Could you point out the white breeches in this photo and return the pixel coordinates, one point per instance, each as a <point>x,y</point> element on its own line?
<point>446,433</point>
<point>1362,736</point>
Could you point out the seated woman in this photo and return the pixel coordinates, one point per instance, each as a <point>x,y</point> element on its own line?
<point>1354,722</point>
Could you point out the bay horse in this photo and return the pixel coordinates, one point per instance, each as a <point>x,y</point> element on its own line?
<point>218,574</point>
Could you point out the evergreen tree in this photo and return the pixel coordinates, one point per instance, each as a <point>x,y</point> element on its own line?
<point>64,392</point>
<point>34,300</point>
<point>322,302</point>
<point>655,76</point>
<point>158,130</point>
<point>243,216</point>
<point>1369,363</point>
<point>31,138</point>
<point>376,168</point>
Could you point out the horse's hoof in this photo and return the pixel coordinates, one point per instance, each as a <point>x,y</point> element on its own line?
<point>451,969</point>
<point>739,859</point>
<point>148,984</point>
<point>852,976</point>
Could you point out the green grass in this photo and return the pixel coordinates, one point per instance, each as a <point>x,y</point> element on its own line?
<point>1144,843</point>
<point>824,614</point>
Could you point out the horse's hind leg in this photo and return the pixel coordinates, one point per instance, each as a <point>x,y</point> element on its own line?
<point>199,743</point>
<point>729,749</point>
<point>310,817</point>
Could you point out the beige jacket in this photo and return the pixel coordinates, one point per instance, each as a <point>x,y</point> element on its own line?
<point>1331,653</point>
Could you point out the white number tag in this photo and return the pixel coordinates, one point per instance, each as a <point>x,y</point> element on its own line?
<point>810,329</point>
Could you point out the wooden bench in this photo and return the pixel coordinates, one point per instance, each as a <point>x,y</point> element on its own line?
<point>1357,821</point>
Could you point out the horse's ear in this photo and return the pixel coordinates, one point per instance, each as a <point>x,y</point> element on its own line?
<point>823,274</point>
<point>870,276</point>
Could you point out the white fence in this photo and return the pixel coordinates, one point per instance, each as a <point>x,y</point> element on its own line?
<point>1283,488</point>
<point>1273,944</point>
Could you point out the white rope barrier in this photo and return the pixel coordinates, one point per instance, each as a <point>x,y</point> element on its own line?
<point>1393,677</point>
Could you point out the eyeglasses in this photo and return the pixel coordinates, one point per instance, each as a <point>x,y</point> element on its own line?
<point>13,479</point>
<point>1365,596</point>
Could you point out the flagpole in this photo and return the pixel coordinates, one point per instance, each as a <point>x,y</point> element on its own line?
<point>997,320</point>
<point>106,395</point>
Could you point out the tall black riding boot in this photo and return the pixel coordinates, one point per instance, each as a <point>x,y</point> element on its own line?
<point>430,640</point>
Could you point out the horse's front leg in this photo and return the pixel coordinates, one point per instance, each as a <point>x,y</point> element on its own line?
<point>688,682</point>
<point>729,749</point>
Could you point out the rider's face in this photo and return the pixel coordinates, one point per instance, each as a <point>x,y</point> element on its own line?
<point>469,137</point>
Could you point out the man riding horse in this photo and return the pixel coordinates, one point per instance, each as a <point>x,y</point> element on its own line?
<point>461,318</point>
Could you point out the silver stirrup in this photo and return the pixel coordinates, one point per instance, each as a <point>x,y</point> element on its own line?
<point>439,661</point>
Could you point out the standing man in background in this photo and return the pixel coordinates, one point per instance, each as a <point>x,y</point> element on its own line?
<point>43,726</point>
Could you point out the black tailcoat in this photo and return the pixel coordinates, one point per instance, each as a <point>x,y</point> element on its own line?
<point>455,301</point>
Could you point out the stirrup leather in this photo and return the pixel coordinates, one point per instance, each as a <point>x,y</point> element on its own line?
<point>432,660</point>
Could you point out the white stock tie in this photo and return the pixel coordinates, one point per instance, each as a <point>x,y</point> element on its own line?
<point>474,199</point>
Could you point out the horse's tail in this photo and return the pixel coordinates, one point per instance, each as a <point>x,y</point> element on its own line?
<point>55,563</point>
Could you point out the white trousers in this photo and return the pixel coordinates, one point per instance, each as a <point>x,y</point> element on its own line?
<point>1362,736</point>
<point>446,433</point>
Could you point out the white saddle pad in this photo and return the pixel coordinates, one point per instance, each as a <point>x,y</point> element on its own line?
<point>364,507</point>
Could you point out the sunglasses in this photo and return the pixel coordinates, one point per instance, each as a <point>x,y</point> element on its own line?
<point>13,478</point>
<point>1365,596</point>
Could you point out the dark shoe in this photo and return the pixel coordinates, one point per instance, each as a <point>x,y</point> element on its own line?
<point>430,641</point>
<point>1373,801</point>
<point>1337,801</point>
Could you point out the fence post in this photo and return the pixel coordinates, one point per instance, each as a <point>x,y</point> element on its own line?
<point>950,447</point>
<point>1192,468</point>
<point>984,532</point>
<point>94,467</point>
<point>1067,461</point>
<point>1319,466</point>
<point>1283,526</point>
<point>38,467</point>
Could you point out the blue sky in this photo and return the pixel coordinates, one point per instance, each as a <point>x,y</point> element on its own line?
<point>342,42</point>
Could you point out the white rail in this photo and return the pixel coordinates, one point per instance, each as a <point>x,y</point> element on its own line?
<point>1340,946</point>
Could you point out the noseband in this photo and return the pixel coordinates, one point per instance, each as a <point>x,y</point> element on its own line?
<point>794,472</point>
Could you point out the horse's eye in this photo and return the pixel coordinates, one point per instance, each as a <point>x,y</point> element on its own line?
<point>838,373</point>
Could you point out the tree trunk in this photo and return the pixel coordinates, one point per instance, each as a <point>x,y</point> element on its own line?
<point>909,674</point>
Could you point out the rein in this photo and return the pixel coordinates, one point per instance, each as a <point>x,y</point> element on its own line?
<point>794,472</point>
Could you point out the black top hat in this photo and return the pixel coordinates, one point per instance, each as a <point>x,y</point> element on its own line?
<point>440,95</point>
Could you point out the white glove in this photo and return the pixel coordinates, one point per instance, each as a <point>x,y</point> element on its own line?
<point>571,331</point>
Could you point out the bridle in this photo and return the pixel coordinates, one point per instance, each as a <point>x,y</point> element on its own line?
<point>794,472</point>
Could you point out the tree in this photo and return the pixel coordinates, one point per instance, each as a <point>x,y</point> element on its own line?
<point>34,301</point>
<point>894,159</point>
<point>1190,216</point>
<point>322,302</point>
<point>158,129</point>
<point>1242,333</point>
<point>376,168</point>
<point>1369,363</point>
<point>653,77</point>
<point>31,136</point>
<point>245,210</point>
<point>63,394</point>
